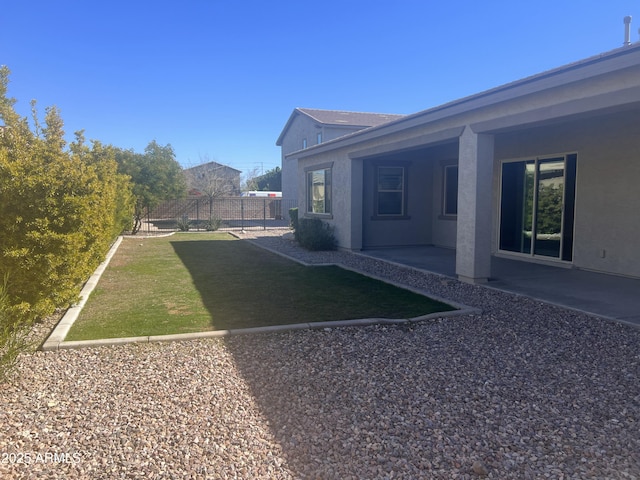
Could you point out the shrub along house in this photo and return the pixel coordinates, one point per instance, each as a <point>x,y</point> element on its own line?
<point>542,169</point>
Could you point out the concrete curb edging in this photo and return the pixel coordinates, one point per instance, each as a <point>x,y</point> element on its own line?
<point>62,329</point>
<point>181,337</point>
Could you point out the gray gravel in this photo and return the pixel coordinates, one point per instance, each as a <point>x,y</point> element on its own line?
<point>522,390</point>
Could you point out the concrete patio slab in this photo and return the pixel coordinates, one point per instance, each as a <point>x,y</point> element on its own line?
<point>608,296</point>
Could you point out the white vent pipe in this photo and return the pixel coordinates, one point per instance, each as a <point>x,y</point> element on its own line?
<point>627,30</point>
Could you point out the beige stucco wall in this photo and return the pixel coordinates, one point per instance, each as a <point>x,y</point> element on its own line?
<point>352,192</point>
<point>300,128</point>
<point>415,230</point>
<point>443,228</point>
<point>342,207</point>
<point>607,221</point>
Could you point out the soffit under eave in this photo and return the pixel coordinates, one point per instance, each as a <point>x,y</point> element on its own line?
<point>606,103</point>
<point>421,141</point>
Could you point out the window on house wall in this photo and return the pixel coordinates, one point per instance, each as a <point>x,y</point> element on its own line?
<point>390,191</point>
<point>319,190</point>
<point>319,138</point>
<point>304,143</point>
<point>450,191</point>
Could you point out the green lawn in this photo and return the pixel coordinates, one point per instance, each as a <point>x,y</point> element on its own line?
<point>201,282</point>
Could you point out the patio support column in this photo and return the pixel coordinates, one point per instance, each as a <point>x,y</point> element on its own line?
<point>355,234</point>
<point>475,178</point>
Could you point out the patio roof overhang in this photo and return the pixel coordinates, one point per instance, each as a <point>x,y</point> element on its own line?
<point>595,86</point>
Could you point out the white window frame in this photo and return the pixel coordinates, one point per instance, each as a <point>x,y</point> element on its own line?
<point>402,190</point>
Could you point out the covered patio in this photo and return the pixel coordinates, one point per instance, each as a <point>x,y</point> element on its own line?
<point>601,294</point>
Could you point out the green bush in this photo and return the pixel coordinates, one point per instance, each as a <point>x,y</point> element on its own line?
<point>12,334</point>
<point>183,223</point>
<point>58,215</point>
<point>314,234</point>
<point>213,224</point>
<point>60,209</point>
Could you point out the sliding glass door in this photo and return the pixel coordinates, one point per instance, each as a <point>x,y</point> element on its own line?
<point>537,206</point>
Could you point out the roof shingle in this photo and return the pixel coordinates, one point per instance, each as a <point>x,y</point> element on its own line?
<point>340,117</point>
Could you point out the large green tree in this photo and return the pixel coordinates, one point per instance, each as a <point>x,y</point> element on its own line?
<point>156,176</point>
<point>271,180</point>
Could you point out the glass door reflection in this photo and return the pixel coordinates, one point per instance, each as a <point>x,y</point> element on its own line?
<point>548,212</point>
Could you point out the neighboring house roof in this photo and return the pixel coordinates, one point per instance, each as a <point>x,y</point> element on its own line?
<point>214,165</point>
<point>581,70</point>
<point>212,179</point>
<point>339,118</point>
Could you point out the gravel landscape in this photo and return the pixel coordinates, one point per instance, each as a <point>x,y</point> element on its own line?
<point>522,390</point>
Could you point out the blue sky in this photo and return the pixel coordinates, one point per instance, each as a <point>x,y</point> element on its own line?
<point>218,79</point>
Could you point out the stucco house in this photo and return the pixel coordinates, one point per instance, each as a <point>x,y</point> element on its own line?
<point>307,127</point>
<point>544,169</point>
<point>213,180</point>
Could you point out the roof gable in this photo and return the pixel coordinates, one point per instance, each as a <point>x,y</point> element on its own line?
<point>211,165</point>
<point>354,119</point>
<point>339,118</point>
